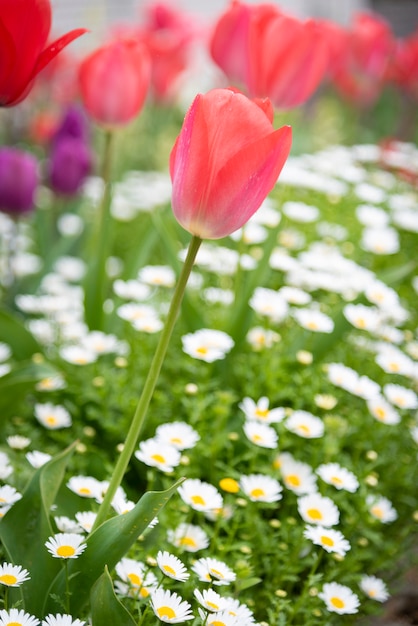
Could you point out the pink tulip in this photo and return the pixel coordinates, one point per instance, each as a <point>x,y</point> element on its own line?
<point>404,67</point>
<point>272,54</point>
<point>225,161</point>
<point>114,82</point>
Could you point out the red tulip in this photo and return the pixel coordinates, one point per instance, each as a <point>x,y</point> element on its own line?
<point>404,69</point>
<point>114,81</point>
<point>360,73</point>
<point>24,30</point>
<point>225,161</point>
<point>272,54</point>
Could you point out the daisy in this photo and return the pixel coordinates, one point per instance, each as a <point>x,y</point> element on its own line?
<point>374,587</point>
<point>269,303</point>
<point>240,611</point>
<point>17,442</point>
<point>380,240</point>
<point>207,345</point>
<point>157,276</point>
<point>5,468</point>
<point>339,477</point>
<point>148,325</point>
<point>16,617</point>
<point>85,486</point>
<point>394,361</point>
<point>294,295</point>
<point>297,476</point>
<point>61,619</point>
<point>52,416</point>
<point>362,317</point>
<point>210,600</point>
<point>66,525</point>
<point>201,496</point>
<point>313,320</point>
<point>86,519</point>
<point>13,575</point>
<point>400,396</point>
<point>121,504</point>
<point>222,618</point>
<point>171,566</point>
<point>381,508</point>
<point>134,312</point>
<point>131,289</point>
<point>251,233</point>
<point>261,435</point>
<point>188,537</point>
<point>51,383</point>
<point>101,343</point>
<point>339,598</point>
<point>66,545</point>
<point>261,488</point>
<point>340,375</point>
<point>37,458</point>
<point>140,581</point>
<point>317,509</point>
<point>170,607</point>
<point>260,410</point>
<point>305,425</point>
<point>300,212</point>
<point>77,355</point>
<point>8,495</point>
<point>382,411</point>
<point>213,570</point>
<point>180,435</point>
<point>331,540</point>
<point>5,351</point>
<point>157,454</point>
<point>260,338</point>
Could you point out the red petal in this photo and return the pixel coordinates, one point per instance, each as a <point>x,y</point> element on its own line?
<point>55,48</point>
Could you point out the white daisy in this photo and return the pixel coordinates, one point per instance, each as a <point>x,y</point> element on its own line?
<point>380,240</point>
<point>207,345</point>
<point>331,540</point>
<point>214,571</point>
<point>381,508</point>
<point>171,566</point>
<point>339,477</point>
<point>201,496</point>
<point>260,338</point>
<point>180,435</point>
<point>131,289</point>
<point>297,476</point>
<point>363,317</point>
<point>157,276</point>
<point>13,575</point>
<point>61,619</point>
<point>66,545</point>
<point>269,303</point>
<point>374,587</point>
<point>305,425</point>
<point>294,295</point>
<point>85,486</point>
<point>37,458</point>
<point>158,454</point>
<point>141,582</point>
<point>188,537</point>
<point>382,411</point>
<point>394,361</point>
<point>400,396</point>
<point>169,607</point>
<point>261,488</point>
<point>66,525</point>
<point>261,435</point>
<point>86,519</point>
<point>260,410</point>
<point>222,618</point>
<point>101,343</point>
<point>300,212</point>
<point>210,600</point>
<point>77,355</point>
<point>52,416</point>
<point>240,611</point>
<point>50,383</point>
<point>317,509</point>
<point>5,351</point>
<point>339,598</point>
<point>313,320</point>
<point>17,442</point>
<point>8,495</point>
<point>16,617</point>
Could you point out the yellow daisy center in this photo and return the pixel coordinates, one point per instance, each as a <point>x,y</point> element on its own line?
<point>65,551</point>
<point>361,322</point>
<point>84,491</point>
<point>196,499</point>
<point>327,541</point>
<point>51,419</point>
<point>14,624</point>
<point>314,514</point>
<point>336,480</point>
<point>377,511</point>
<point>217,623</point>
<point>8,579</point>
<point>257,492</point>
<point>212,605</point>
<point>263,413</point>
<point>216,573</point>
<point>158,458</point>
<point>394,367</point>
<point>187,541</point>
<point>304,429</point>
<point>337,602</point>
<point>176,440</point>
<point>169,570</point>
<point>135,579</point>
<point>256,438</point>
<point>380,413</point>
<point>293,480</point>
<point>202,350</point>
<point>166,611</point>
<point>229,484</point>
<point>144,593</point>
<point>312,325</point>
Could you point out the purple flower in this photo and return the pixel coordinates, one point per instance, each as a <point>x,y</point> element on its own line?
<point>73,124</point>
<point>69,164</point>
<point>18,181</point>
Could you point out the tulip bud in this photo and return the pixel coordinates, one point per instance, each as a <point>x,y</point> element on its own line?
<point>18,181</point>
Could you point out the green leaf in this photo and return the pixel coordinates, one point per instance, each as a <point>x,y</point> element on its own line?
<point>15,385</point>
<point>247,583</point>
<point>105,606</point>
<point>107,545</point>
<point>14,333</point>
<point>26,527</point>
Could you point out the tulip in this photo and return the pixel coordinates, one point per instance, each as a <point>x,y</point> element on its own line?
<point>272,54</point>
<point>114,81</point>
<point>69,165</point>
<point>18,181</point>
<point>225,161</point>
<point>24,30</point>
<point>404,68</point>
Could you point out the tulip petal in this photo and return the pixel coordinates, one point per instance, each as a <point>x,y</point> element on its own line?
<point>8,56</point>
<point>243,183</point>
<point>55,48</point>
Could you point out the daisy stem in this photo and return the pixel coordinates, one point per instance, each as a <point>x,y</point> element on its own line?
<point>149,385</point>
<point>67,587</point>
<point>6,599</point>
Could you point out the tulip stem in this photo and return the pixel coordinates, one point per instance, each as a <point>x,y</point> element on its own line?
<point>149,385</point>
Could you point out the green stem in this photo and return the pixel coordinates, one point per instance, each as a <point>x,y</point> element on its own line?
<point>67,587</point>
<point>149,385</point>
